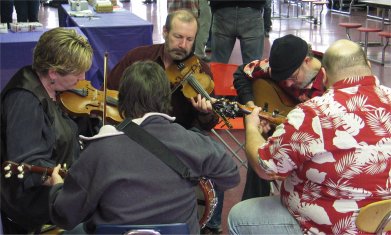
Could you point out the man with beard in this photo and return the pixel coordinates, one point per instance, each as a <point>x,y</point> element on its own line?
<point>179,32</point>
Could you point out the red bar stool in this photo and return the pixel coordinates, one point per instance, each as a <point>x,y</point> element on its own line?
<point>367,30</point>
<point>349,26</point>
<point>387,36</point>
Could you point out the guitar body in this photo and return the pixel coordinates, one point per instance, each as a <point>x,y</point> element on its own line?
<point>268,92</point>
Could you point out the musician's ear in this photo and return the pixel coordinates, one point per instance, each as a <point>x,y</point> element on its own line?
<point>53,74</point>
<point>165,32</point>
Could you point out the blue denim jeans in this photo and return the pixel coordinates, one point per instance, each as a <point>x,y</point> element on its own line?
<point>262,215</point>
<point>243,23</point>
<point>205,20</point>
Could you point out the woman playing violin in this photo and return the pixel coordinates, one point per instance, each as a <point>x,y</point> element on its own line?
<point>35,130</point>
<point>179,34</point>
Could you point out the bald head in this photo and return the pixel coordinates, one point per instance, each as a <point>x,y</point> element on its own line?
<point>344,59</point>
<point>182,15</point>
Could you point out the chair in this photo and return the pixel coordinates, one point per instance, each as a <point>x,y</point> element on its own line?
<point>223,79</point>
<point>375,217</point>
<point>153,229</point>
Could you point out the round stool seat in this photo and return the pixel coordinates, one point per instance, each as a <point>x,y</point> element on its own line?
<point>368,30</point>
<point>320,2</point>
<point>385,34</point>
<point>350,25</point>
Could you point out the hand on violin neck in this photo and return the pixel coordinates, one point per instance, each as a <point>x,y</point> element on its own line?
<point>202,104</point>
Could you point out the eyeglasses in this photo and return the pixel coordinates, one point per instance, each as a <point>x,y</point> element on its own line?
<point>294,76</point>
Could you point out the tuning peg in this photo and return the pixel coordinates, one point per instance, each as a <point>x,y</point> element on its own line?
<point>21,175</point>
<point>275,112</point>
<point>8,174</point>
<point>265,107</point>
<point>7,167</point>
<point>20,168</point>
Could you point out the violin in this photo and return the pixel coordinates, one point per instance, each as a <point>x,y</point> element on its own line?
<point>85,100</point>
<point>187,74</point>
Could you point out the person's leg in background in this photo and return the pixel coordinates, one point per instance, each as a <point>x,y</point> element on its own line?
<point>223,33</point>
<point>33,9</point>
<point>205,20</point>
<point>6,10</point>
<point>262,215</point>
<point>250,33</point>
<point>267,17</point>
<point>21,8</point>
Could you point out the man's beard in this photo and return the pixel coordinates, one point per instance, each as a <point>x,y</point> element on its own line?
<point>309,77</point>
<point>178,54</point>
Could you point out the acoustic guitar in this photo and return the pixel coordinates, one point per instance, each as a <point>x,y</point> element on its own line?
<point>270,96</point>
<point>205,192</point>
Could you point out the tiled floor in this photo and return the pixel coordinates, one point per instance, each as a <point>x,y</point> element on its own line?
<point>319,35</point>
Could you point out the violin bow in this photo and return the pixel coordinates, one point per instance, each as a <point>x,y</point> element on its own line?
<point>105,86</point>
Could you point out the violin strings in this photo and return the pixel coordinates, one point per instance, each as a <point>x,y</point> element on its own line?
<point>198,87</point>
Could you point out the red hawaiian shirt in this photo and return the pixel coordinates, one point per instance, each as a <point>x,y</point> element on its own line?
<point>335,152</point>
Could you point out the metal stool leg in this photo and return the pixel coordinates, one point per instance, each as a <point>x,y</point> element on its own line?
<point>383,55</point>
<point>366,43</point>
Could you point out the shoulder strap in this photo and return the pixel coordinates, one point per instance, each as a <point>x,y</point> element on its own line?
<point>156,147</point>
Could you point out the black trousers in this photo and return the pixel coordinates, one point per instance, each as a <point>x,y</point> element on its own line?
<point>255,186</point>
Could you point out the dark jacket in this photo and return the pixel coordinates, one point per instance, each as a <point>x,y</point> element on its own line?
<point>117,181</point>
<point>34,130</point>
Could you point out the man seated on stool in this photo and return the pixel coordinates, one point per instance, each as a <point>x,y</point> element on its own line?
<point>333,152</point>
<point>293,67</point>
<point>118,181</point>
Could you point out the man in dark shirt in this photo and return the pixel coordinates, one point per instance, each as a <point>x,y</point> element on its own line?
<point>179,33</point>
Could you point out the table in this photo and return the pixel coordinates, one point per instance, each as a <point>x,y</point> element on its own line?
<point>384,5</point>
<point>351,4</point>
<point>115,33</point>
<point>17,51</point>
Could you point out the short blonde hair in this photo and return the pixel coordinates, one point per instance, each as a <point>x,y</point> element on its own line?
<point>63,50</point>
